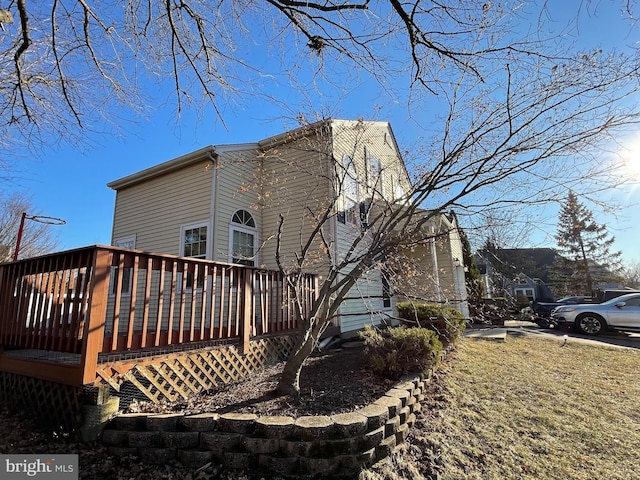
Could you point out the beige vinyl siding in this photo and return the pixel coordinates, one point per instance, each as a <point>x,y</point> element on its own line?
<point>237,187</point>
<point>155,210</point>
<point>361,141</point>
<point>364,141</point>
<point>442,281</point>
<point>296,184</point>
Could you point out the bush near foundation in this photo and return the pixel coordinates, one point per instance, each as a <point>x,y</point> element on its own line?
<point>394,352</point>
<point>446,321</point>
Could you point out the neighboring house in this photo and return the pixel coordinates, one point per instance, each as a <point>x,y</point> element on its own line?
<point>256,202</point>
<point>501,276</point>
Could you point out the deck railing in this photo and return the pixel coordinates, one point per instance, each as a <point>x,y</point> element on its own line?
<point>99,300</point>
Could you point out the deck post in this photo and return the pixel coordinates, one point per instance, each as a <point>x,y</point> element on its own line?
<point>93,334</point>
<point>247,317</point>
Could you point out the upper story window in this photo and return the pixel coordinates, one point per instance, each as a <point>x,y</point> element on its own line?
<point>349,190</point>
<point>243,238</point>
<point>374,173</point>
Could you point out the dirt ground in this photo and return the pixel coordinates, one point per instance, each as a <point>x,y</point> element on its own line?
<point>336,381</point>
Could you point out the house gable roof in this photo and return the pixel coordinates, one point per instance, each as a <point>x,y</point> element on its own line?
<point>210,152</point>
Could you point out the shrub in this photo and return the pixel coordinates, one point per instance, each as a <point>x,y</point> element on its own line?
<point>446,321</point>
<point>394,352</point>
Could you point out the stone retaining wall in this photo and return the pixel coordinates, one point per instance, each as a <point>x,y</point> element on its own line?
<point>337,445</point>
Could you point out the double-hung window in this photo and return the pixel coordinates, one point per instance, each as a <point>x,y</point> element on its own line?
<point>194,238</point>
<point>194,241</point>
<point>349,191</point>
<point>243,238</point>
<point>375,180</point>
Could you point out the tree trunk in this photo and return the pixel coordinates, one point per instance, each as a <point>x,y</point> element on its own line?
<point>289,383</point>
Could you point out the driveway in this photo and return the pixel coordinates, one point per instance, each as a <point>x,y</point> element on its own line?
<point>613,338</point>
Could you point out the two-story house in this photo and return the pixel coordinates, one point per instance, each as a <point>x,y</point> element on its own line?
<point>295,199</point>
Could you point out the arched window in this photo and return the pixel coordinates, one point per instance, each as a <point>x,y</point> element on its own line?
<point>242,238</point>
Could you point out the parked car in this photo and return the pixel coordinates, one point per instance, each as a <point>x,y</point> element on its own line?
<point>542,310</point>
<point>620,313</point>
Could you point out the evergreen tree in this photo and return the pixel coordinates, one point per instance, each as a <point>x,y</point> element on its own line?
<point>472,276</point>
<point>585,247</point>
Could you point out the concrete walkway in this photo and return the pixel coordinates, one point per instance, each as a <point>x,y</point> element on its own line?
<point>513,327</point>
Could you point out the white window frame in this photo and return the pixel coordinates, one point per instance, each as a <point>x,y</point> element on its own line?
<point>192,226</point>
<point>183,230</point>
<point>237,227</point>
<point>350,196</point>
<point>127,241</point>
<point>375,177</point>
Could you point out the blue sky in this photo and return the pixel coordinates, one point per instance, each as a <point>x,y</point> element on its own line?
<point>69,182</point>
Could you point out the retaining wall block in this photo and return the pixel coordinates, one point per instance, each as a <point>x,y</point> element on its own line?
<point>165,422</point>
<point>392,403</point>
<point>240,460</point>
<point>377,415</point>
<point>181,439</point>
<point>352,464</point>
<point>402,433</point>
<point>274,426</point>
<point>416,407</point>
<point>296,448</point>
<point>144,439</point>
<point>219,442</point>
<point>371,439</point>
<point>313,466</point>
<point>203,422</point>
<point>157,456</point>
<point>123,451</point>
<point>96,417</point>
<point>410,401</point>
<point>279,465</point>
<point>349,424</point>
<point>131,421</point>
<point>311,427</point>
<point>404,414</point>
<point>391,427</point>
<point>403,395</point>
<point>194,458</point>
<point>115,438</point>
<point>408,385</point>
<point>411,420</point>
<point>261,444</point>
<point>237,422</point>
<point>341,446</point>
<point>385,447</point>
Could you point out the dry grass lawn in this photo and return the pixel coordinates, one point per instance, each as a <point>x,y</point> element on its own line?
<point>526,408</point>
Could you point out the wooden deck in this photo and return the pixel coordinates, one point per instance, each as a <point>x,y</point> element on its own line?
<point>65,317</point>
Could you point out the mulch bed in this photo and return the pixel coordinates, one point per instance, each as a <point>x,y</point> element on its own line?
<point>332,382</point>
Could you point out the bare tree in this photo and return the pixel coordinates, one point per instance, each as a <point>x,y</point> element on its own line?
<point>69,65</point>
<point>522,116</point>
<point>37,238</point>
<point>631,274</point>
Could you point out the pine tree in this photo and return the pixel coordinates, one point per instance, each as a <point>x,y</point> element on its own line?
<point>472,276</point>
<point>585,247</point>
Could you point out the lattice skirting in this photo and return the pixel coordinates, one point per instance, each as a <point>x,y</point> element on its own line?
<point>54,406</point>
<point>180,375</point>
